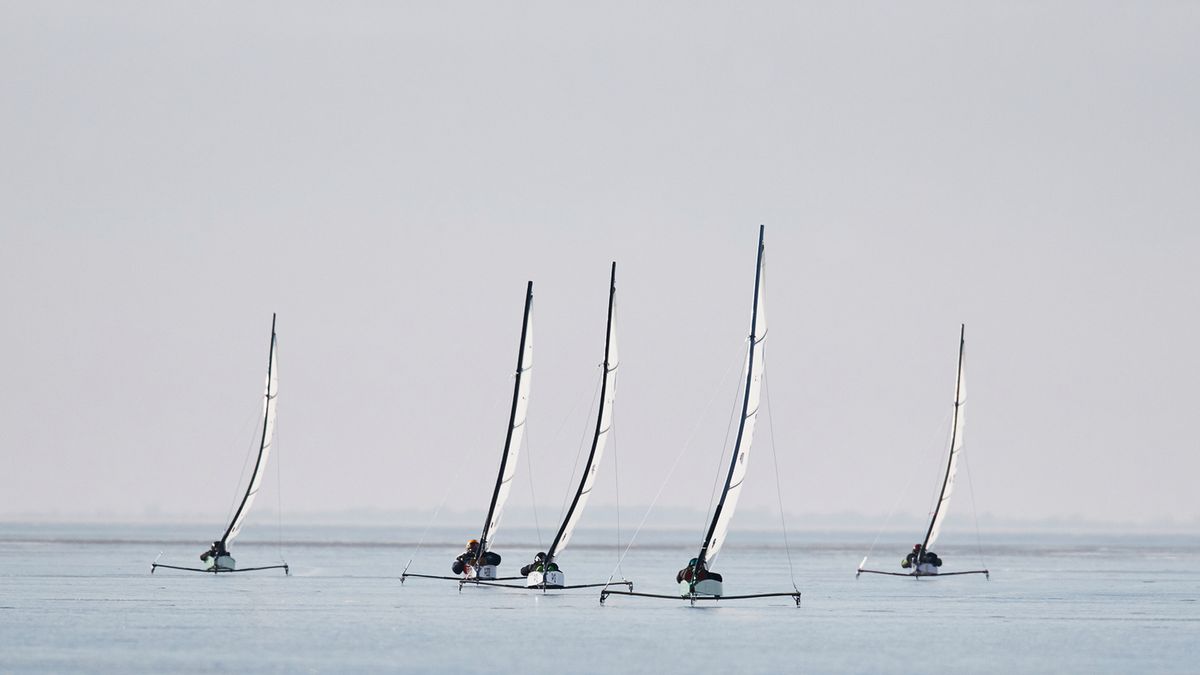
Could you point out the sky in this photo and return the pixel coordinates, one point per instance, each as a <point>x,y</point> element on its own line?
<point>387,176</point>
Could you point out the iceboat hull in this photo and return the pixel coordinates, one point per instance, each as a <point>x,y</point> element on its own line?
<point>551,579</point>
<point>703,587</point>
<point>220,563</point>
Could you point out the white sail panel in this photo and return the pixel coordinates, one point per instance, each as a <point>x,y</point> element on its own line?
<point>269,406</point>
<point>754,372</point>
<point>956,446</point>
<point>518,429</point>
<point>605,425</point>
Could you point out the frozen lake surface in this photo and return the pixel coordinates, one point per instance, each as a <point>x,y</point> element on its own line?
<point>81,597</point>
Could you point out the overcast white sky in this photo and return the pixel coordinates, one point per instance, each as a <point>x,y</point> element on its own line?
<point>387,176</point>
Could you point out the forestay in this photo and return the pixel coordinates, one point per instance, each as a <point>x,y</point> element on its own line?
<point>516,425</point>
<point>264,449</point>
<point>750,402</point>
<point>956,444</point>
<point>608,394</point>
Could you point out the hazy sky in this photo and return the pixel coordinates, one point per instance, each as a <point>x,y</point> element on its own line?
<point>386,177</point>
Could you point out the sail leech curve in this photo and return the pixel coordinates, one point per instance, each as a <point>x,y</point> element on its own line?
<point>264,448</point>
<point>516,424</point>
<point>726,506</point>
<point>603,427</point>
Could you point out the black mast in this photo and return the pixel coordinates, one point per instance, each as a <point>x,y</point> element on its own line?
<point>263,443</point>
<point>512,419</point>
<point>962,341</point>
<point>733,462</point>
<point>587,468</point>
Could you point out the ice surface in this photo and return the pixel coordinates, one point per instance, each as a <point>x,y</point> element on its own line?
<point>82,597</point>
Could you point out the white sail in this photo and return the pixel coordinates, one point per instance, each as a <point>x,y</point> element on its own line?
<point>520,408</point>
<point>741,451</point>
<point>603,426</point>
<point>272,389</point>
<point>956,445</point>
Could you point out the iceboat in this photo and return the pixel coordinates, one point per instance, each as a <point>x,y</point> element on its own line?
<point>922,562</point>
<point>218,558</point>
<point>547,573</point>
<point>477,568</point>
<point>695,581</point>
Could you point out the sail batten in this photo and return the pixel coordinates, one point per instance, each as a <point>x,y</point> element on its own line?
<point>516,425</point>
<point>731,492</point>
<point>608,394</point>
<point>264,447</point>
<point>956,445</point>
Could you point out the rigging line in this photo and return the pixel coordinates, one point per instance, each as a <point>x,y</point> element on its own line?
<point>895,505</point>
<point>562,425</point>
<point>887,521</point>
<point>674,464</point>
<point>974,513</point>
<point>734,408</point>
<point>245,461</point>
<point>787,548</point>
<point>472,452</point>
<point>612,426</point>
<point>529,472</point>
<point>279,492</point>
<point>278,457</point>
<point>947,425</point>
<point>582,439</point>
<point>433,519</point>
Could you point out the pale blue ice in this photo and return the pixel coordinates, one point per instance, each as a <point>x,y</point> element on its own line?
<point>82,598</point>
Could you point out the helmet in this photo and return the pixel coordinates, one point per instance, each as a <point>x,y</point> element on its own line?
<point>472,542</point>
<point>916,547</point>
